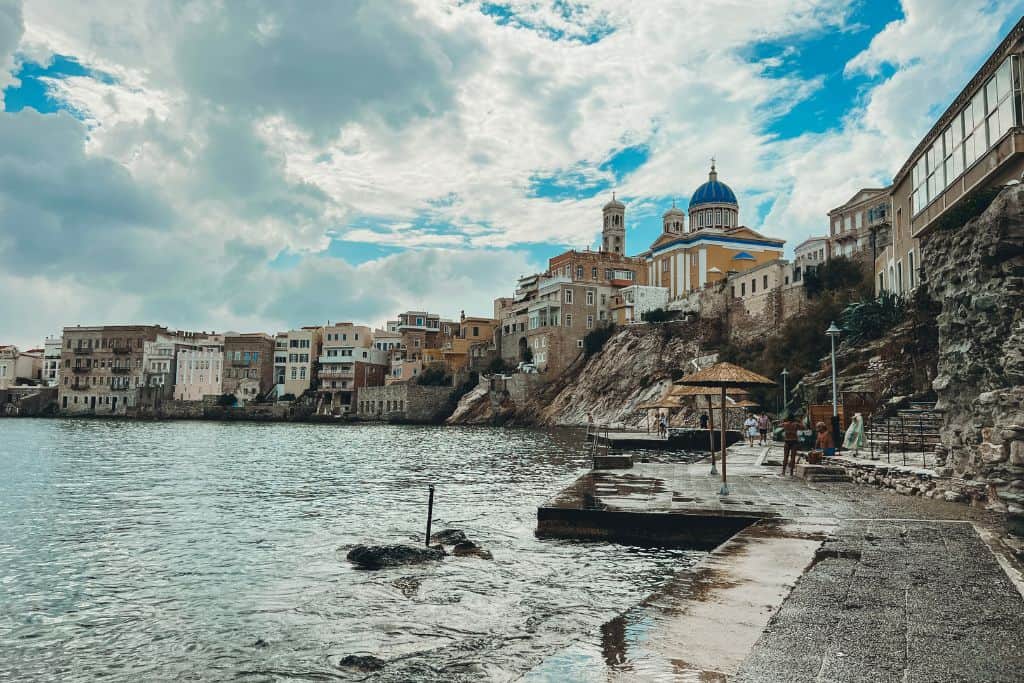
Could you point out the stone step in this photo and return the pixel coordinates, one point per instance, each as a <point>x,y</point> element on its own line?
<point>827,477</point>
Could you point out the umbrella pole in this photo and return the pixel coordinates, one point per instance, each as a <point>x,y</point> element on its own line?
<point>711,435</point>
<point>724,491</point>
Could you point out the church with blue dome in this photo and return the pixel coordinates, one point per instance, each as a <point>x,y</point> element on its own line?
<point>706,244</point>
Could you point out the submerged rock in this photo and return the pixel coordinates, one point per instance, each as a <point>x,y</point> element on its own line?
<point>362,662</point>
<point>260,643</point>
<point>470,549</point>
<point>409,585</point>
<point>377,556</point>
<point>449,536</point>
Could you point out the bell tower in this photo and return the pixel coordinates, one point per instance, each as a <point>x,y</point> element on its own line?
<point>613,233</point>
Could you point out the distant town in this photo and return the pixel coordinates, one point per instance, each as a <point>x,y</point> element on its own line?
<point>706,263</point>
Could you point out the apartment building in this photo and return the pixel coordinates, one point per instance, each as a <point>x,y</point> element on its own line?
<point>199,369</point>
<point>860,227</point>
<point>102,367</point>
<point>248,366</point>
<point>349,360</point>
<point>299,350</point>
<point>809,254</point>
<point>973,148</point>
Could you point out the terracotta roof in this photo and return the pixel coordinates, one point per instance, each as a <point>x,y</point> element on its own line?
<point>724,375</point>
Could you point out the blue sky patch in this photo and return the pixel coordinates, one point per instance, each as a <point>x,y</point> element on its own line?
<point>593,31</point>
<point>824,55</point>
<point>33,92</point>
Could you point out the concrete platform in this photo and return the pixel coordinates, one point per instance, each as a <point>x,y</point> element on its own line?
<point>677,504</point>
<point>692,440</point>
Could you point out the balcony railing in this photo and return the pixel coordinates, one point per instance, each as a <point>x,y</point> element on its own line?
<point>79,370</point>
<point>121,350</point>
<point>120,371</point>
<point>82,350</point>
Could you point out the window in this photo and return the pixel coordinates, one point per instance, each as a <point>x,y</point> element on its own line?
<point>568,296</point>
<point>593,273</point>
<point>590,297</point>
<point>847,223</point>
<point>295,372</point>
<point>568,319</point>
<point>590,322</point>
<point>910,268</point>
<point>579,272</point>
<point>766,282</point>
<point>302,373</point>
<point>664,265</point>
<point>743,289</point>
<point>579,343</point>
<point>753,286</point>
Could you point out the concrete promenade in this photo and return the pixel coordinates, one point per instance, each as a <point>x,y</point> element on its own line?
<point>818,582</point>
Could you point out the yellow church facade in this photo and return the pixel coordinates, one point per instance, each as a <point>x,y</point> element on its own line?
<point>684,259</point>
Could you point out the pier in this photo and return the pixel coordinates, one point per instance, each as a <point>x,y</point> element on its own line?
<point>807,579</point>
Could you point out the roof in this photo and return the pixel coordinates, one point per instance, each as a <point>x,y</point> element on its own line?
<point>614,203</point>
<point>713,192</point>
<point>724,375</point>
<point>862,195</point>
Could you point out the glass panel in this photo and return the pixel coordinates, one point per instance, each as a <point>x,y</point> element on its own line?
<point>968,151</point>
<point>950,171</point>
<point>992,129</point>
<point>991,99</point>
<point>978,108</point>
<point>967,120</point>
<point>947,140</point>
<point>958,132</point>
<point>1003,79</point>
<point>1005,116</point>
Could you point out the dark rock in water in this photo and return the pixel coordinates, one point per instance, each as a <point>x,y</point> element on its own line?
<point>362,662</point>
<point>449,536</point>
<point>471,549</point>
<point>377,556</point>
<point>261,643</point>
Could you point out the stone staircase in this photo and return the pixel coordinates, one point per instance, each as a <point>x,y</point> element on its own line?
<point>913,429</point>
<point>822,472</point>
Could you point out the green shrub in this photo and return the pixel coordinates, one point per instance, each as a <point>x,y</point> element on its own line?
<point>866,320</point>
<point>434,376</point>
<point>658,315</point>
<point>596,338</point>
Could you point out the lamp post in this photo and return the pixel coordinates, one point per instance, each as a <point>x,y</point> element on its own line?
<point>785,394</point>
<point>833,333</point>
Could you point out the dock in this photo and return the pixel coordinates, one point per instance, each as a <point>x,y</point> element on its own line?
<point>690,440</point>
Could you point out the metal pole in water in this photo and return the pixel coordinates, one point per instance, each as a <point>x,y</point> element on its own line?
<point>430,514</point>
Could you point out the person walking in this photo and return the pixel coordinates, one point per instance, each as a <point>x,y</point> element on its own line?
<point>750,427</point>
<point>763,424</point>
<point>790,442</point>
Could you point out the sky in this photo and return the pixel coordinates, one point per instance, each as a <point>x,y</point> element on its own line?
<point>263,165</point>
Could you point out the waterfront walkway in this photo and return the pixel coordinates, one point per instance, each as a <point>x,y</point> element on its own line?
<point>822,582</point>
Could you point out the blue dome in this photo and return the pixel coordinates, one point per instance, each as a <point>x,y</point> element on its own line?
<point>713,192</point>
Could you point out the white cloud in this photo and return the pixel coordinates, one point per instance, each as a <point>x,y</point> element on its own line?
<point>248,130</point>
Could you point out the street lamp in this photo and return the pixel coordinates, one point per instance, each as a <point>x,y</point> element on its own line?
<point>833,333</point>
<point>785,394</point>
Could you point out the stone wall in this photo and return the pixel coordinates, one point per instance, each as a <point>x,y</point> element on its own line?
<point>976,273</point>
<point>406,402</point>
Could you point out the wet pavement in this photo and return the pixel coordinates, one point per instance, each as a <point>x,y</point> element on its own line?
<point>830,582</point>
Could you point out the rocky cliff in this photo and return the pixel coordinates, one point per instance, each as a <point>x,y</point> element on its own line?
<point>635,366</point>
<point>976,272</point>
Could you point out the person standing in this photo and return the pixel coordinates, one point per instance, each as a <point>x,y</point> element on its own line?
<point>750,427</point>
<point>763,424</point>
<point>790,442</point>
<point>825,442</point>
<point>703,420</point>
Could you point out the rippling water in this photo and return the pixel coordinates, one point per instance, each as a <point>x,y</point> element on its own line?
<point>157,551</point>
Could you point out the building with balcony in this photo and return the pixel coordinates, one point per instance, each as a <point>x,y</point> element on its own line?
<point>199,370</point>
<point>974,147</point>
<point>102,367</point>
<point>20,367</point>
<point>349,360</point>
<point>301,351</point>
<point>860,227</point>
<point>809,254</point>
<point>248,366</point>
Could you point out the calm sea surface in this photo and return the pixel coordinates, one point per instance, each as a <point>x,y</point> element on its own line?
<point>166,551</point>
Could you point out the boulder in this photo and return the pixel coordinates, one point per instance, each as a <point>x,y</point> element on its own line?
<point>449,537</point>
<point>471,549</point>
<point>362,662</point>
<point>377,556</point>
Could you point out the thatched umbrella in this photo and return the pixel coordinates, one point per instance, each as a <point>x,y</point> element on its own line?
<point>679,391</point>
<point>724,376</point>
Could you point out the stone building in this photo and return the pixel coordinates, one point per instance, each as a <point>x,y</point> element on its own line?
<point>684,259</point>
<point>20,367</point>
<point>471,344</point>
<point>102,368</point>
<point>975,146</point>
<point>860,227</point>
<point>248,366</point>
<point>630,303</point>
<point>405,402</point>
